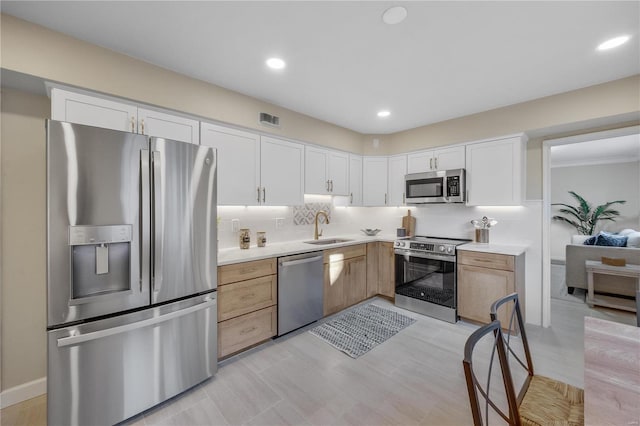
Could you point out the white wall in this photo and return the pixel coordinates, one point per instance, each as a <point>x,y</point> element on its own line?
<point>516,225</point>
<point>597,184</point>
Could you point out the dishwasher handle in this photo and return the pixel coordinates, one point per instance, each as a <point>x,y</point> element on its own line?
<point>300,261</point>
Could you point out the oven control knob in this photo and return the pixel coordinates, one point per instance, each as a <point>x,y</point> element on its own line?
<point>449,250</point>
<point>441,248</point>
<point>399,244</point>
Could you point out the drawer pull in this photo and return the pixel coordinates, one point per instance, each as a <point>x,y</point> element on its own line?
<point>248,330</point>
<point>248,270</point>
<point>248,296</point>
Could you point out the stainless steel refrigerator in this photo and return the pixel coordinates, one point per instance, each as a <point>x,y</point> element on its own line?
<point>131,271</point>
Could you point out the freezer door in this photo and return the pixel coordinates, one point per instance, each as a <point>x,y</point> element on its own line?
<point>183,214</point>
<point>103,372</point>
<point>97,221</point>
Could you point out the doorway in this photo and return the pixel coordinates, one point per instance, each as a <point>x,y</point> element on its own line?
<point>585,158</point>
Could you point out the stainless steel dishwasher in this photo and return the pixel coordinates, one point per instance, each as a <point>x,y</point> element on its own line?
<point>299,291</point>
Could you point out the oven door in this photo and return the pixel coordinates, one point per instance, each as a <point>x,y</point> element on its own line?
<point>426,277</point>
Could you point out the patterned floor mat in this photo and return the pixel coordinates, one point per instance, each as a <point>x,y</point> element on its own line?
<point>357,331</point>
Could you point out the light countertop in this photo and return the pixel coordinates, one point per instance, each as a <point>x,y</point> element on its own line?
<point>229,256</point>
<point>508,249</point>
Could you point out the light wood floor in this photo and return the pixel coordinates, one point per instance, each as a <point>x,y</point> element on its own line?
<point>414,378</point>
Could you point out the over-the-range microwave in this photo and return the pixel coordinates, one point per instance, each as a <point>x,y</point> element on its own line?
<point>444,186</point>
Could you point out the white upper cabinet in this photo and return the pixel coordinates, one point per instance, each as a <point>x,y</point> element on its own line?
<point>374,181</point>
<point>316,166</point>
<point>168,126</point>
<point>495,172</point>
<point>238,171</point>
<point>281,172</point>
<point>326,171</point>
<point>355,180</point>
<point>338,173</point>
<point>112,114</point>
<point>436,159</point>
<point>397,170</point>
<point>92,111</point>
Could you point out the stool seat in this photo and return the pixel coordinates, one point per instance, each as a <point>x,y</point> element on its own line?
<point>550,402</point>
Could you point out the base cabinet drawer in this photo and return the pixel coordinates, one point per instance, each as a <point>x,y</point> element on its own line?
<point>247,296</point>
<point>246,330</point>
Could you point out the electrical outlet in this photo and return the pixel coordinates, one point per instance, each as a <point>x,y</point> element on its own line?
<point>279,222</point>
<point>235,225</point>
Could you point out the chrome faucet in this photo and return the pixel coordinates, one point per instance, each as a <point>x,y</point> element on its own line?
<point>317,234</point>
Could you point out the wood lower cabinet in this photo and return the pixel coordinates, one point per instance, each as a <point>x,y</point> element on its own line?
<point>485,277</point>
<point>380,269</point>
<point>247,305</point>
<point>345,277</point>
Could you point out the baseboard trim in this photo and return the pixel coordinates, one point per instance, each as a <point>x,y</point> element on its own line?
<point>23,392</point>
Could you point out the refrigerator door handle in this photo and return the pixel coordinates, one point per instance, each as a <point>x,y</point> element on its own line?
<point>158,225</point>
<point>145,218</point>
<point>81,338</point>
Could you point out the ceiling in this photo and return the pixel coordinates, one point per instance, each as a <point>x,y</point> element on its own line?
<point>619,149</point>
<point>446,60</point>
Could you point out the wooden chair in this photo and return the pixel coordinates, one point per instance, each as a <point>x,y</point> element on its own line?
<point>482,394</point>
<point>541,400</point>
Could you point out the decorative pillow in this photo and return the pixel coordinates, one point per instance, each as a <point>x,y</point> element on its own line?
<point>626,232</point>
<point>590,241</point>
<point>612,240</point>
<point>633,239</point>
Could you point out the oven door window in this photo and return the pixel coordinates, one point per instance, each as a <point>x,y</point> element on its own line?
<point>429,280</point>
<point>425,188</point>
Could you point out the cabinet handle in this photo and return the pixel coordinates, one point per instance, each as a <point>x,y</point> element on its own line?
<point>403,198</point>
<point>351,201</point>
<point>436,163</point>
<point>133,124</point>
<point>142,126</point>
<point>264,195</point>
<point>327,185</point>
<point>248,330</point>
<point>431,163</point>
<point>331,181</point>
<point>258,194</point>
<point>385,198</point>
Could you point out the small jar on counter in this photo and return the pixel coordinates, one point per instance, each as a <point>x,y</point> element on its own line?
<point>245,238</point>
<point>261,237</point>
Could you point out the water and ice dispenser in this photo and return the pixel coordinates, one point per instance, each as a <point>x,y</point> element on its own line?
<point>101,261</point>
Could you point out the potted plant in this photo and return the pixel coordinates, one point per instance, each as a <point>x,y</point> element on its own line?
<point>584,217</point>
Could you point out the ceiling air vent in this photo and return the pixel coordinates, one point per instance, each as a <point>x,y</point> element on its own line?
<point>269,120</point>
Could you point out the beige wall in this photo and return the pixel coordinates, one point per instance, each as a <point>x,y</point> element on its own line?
<point>37,51</point>
<point>579,111</point>
<point>23,237</point>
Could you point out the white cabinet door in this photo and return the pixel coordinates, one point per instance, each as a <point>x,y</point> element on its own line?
<point>449,158</point>
<point>355,180</point>
<point>437,159</point>
<point>316,165</point>
<point>420,162</point>
<point>397,170</point>
<point>238,172</point>
<point>281,172</point>
<point>494,172</point>
<point>168,126</point>
<point>374,181</point>
<point>338,173</point>
<point>92,111</point>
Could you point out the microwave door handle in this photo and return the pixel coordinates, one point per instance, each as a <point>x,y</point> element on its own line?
<point>158,225</point>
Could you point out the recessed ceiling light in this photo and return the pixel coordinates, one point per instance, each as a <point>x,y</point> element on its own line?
<point>383,114</point>
<point>394,15</point>
<point>614,42</point>
<point>276,63</point>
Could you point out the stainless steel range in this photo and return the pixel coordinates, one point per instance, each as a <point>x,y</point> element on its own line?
<point>426,276</point>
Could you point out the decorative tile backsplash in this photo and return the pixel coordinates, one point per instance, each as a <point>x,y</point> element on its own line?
<point>306,214</point>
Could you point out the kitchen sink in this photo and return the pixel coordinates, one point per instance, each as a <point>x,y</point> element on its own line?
<point>327,241</point>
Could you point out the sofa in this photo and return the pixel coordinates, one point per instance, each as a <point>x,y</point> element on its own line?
<point>576,275</point>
